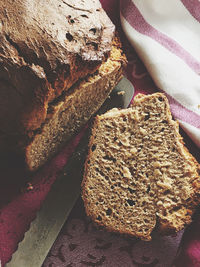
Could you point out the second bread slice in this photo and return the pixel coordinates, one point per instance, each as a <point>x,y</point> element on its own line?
<point>138,172</point>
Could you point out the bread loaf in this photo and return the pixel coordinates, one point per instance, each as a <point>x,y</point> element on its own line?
<point>47,50</point>
<point>74,109</point>
<point>138,173</point>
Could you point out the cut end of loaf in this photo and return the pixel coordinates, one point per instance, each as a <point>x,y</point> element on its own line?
<point>138,174</point>
<point>70,112</point>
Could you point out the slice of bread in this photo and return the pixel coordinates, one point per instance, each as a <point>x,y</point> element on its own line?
<point>138,173</point>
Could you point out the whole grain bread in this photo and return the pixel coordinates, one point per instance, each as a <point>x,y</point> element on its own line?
<point>138,173</point>
<point>47,50</point>
<point>68,114</point>
<point>45,47</point>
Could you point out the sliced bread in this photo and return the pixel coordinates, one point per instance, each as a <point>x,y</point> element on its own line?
<point>138,173</point>
<point>68,114</point>
<point>57,67</point>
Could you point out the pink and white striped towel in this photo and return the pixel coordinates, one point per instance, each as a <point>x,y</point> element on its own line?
<point>166,36</point>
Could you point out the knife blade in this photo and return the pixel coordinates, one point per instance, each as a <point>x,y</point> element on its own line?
<point>43,231</point>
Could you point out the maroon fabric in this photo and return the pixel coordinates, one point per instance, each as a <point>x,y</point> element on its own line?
<point>79,243</point>
<point>189,251</point>
<point>20,204</point>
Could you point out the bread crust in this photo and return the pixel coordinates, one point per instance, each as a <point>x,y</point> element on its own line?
<point>74,109</point>
<point>45,47</point>
<point>47,50</point>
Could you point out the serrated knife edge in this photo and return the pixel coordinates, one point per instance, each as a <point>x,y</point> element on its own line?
<point>50,225</point>
<point>47,225</point>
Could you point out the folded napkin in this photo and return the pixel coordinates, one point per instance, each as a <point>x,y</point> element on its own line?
<point>166,36</point>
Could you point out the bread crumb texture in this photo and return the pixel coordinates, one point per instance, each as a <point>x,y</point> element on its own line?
<point>138,173</point>
<point>69,113</point>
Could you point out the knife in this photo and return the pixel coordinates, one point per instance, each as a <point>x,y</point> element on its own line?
<point>43,231</point>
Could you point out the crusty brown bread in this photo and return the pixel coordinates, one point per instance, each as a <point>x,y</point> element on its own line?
<point>45,47</point>
<point>138,173</point>
<point>74,109</point>
<point>48,50</point>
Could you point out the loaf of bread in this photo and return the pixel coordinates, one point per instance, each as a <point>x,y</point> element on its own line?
<point>59,62</point>
<point>138,173</point>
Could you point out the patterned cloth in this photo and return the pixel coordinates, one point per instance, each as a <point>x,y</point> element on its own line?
<point>166,36</point>
<point>79,243</point>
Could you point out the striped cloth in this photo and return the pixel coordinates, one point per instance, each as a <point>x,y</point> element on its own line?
<point>166,36</point>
